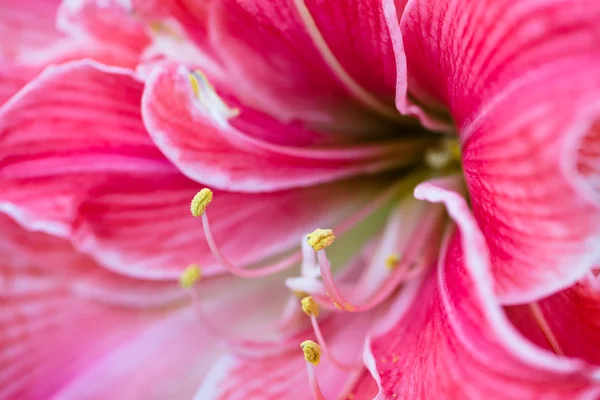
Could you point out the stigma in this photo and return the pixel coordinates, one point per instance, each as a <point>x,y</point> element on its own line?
<point>200,201</point>
<point>312,352</point>
<point>190,276</point>
<point>320,239</point>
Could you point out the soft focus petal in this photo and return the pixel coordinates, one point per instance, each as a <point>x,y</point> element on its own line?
<point>73,271</point>
<point>573,319</point>
<point>274,376</point>
<point>251,152</point>
<point>521,81</point>
<point>111,21</point>
<point>302,52</point>
<point>34,42</point>
<point>80,141</point>
<point>472,350</point>
<point>63,317</point>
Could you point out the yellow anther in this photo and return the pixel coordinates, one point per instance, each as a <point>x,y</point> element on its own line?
<point>312,351</point>
<point>195,84</point>
<point>391,261</point>
<point>201,201</point>
<point>320,238</point>
<point>190,276</point>
<point>209,99</point>
<point>310,306</point>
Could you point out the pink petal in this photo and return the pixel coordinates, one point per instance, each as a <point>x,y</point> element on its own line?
<point>270,377</point>
<point>35,43</point>
<point>521,83</point>
<point>21,249</point>
<point>304,53</point>
<point>572,316</point>
<point>454,342</point>
<point>110,21</point>
<point>80,121</point>
<point>82,144</point>
<point>63,317</point>
<point>251,152</point>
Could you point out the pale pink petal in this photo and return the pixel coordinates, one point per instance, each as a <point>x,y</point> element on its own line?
<point>110,21</point>
<point>32,42</point>
<point>572,317</point>
<point>306,55</point>
<point>80,142</point>
<point>454,342</point>
<point>71,271</point>
<point>251,152</point>
<point>271,377</point>
<point>80,121</point>
<point>60,313</point>
<point>521,82</point>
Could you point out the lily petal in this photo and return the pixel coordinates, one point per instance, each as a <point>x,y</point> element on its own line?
<point>271,377</point>
<point>295,49</point>
<point>466,335</point>
<point>571,317</point>
<point>62,316</point>
<point>110,21</point>
<point>108,188</point>
<point>234,147</point>
<point>521,82</point>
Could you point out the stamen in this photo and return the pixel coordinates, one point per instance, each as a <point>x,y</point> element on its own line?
<point>443,154</point>
<point>314,383</point>
<point>538,315</point>
<point>200,201</point>
<point>210,101</point>
<point>190,276</point>
<point>321,238</point>
<point>312,351</point>
<point>409,267</point>
<point>245,273</point>
<point>392,261</point>
<point>295,257</point>
<point>310,306</point>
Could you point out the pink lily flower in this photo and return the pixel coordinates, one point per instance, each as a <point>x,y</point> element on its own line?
<point>294,123</point>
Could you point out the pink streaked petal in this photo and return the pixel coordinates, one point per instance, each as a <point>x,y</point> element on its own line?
<point>167,360</point>
<point>572,317</point>
<point>521,82</point>
<point>473,350</point>
<point>304,56</point>
<point>461,53</point>
<point>241,152</point>
<point>271,377</point>
<point>143,227</point>
<point>525,157</point>
<point>25,31</point>
<point>81,122</point>
<point>71,271</point>
<point>109,21</point>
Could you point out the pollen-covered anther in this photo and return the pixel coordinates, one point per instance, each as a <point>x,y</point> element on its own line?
<point>310,306</point>
<point>392,261</point>
<point>190,276</point>
<point>200,201</point>
<point>321,238</point>
<point>312,351</point>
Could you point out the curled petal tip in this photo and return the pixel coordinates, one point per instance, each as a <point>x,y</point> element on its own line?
<point>200,201</point>
<point>321,238</point>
